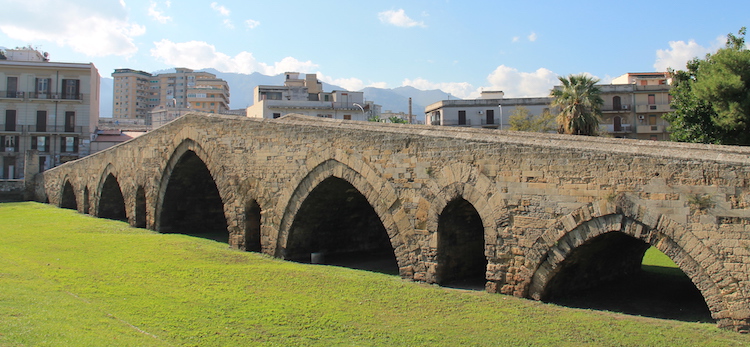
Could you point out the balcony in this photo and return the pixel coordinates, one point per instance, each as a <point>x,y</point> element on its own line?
<point>455,122</point>
<point>10,94</point>
<point>47,130</point>
<point>653,108</point>
<point>651,129</point>
<point>653,88</point>
<point>611,108</point>
<point>611,129</point>
<point>493,123</point>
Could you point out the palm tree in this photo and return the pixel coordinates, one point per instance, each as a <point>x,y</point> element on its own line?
<point>580,103</point>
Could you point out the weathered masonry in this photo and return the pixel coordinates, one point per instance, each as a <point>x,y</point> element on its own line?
<point>516,210</point>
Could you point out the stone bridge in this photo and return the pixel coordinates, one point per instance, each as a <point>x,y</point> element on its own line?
<point>529,215</point>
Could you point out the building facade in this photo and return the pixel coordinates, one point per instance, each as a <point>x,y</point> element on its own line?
<point>491,110</point>
<point>137,93</point>
<point>634,106</point>
<point>306,97</point>
<point>52,107</point>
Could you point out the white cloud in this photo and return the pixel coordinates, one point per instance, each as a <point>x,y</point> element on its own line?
<point>516,39</point>
<point>157,15</point>
<point>399,19</point>
<point>679,53</point>
<point>89,26</point>
<point>532,37</point>
<point>346,83</point>
<point>220,9</point>
<point>349,83</point>
<point>201,55</point>
<point>459,89</point>
<point>522,84</point>
<point>251,24</point>
<point>228,23</point>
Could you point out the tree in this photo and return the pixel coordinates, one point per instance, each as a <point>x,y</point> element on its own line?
<point>395,119</point>
<point>522,120</point>
<point>580,103</point>
<point>374,118</point>
<point>711,98</point>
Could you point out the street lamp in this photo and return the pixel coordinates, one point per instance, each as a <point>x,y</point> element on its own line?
<point>361,108</point>
<point>501,116</point>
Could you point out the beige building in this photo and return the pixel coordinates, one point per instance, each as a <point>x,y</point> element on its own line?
<point>137,93</point>
<point>306,97</point>
<point>634,106</point>
<point>52,107</point>
<point>491,110</point>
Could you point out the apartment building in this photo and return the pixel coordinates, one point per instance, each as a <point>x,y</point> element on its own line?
<point>52,107</point>
<point>306,96</point>
<point>137,93</point>
<point>634,106</point>
<point>491,110</point>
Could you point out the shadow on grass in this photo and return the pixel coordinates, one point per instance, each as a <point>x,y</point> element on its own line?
<point>380,262</point>
<point>658,292</point>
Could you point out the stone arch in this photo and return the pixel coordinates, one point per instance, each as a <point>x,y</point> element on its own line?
<point>111,203</point>
<point>256,216</point>
<point>460,245</point>
<point>140,207</point>
<point>375,191</point>
<point>252,241</point>
<point>177,208</point>
<point>695,259</point>
<point>454,183</point>
<point>68,196</point>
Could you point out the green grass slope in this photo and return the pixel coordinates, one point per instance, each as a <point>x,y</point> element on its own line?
<point>68,279</point>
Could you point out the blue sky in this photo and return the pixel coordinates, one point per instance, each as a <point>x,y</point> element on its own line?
<point>461,47</point>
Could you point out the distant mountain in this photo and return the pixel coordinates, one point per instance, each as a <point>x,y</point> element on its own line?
<point>397,99</point>
<point>241,93</point>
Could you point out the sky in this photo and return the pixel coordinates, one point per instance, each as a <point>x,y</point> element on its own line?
<point>461,47</point>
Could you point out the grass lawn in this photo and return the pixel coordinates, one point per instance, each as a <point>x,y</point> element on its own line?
<point>68,279</point>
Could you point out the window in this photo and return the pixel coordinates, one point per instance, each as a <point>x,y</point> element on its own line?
<point>276,115</point>
<point>71,89</point>
<point>616,103</point>
<point>9,143</point>
<point>651,99</point>
<point>348,117</point>
<point>12,87</point>
<point>42,87</point>
<point>41,121</point>
<point>10,120</point>
<point>68,144</point>
<point>40,143</point>
<point>70,121</point>
<point>461,117</point>
<point>490,116</point>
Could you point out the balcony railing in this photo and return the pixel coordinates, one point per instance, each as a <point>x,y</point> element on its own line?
<point>653,108</point>
<point>455,122</point>
<point>490,123</point>
<point>56,96</point>
<point>35,95</point>
<point>612,108</point>
<point>651,129</point>
<point>610,128</point>
<point>12,94</point>
<point>35,129</point>
<point>655,87</point>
